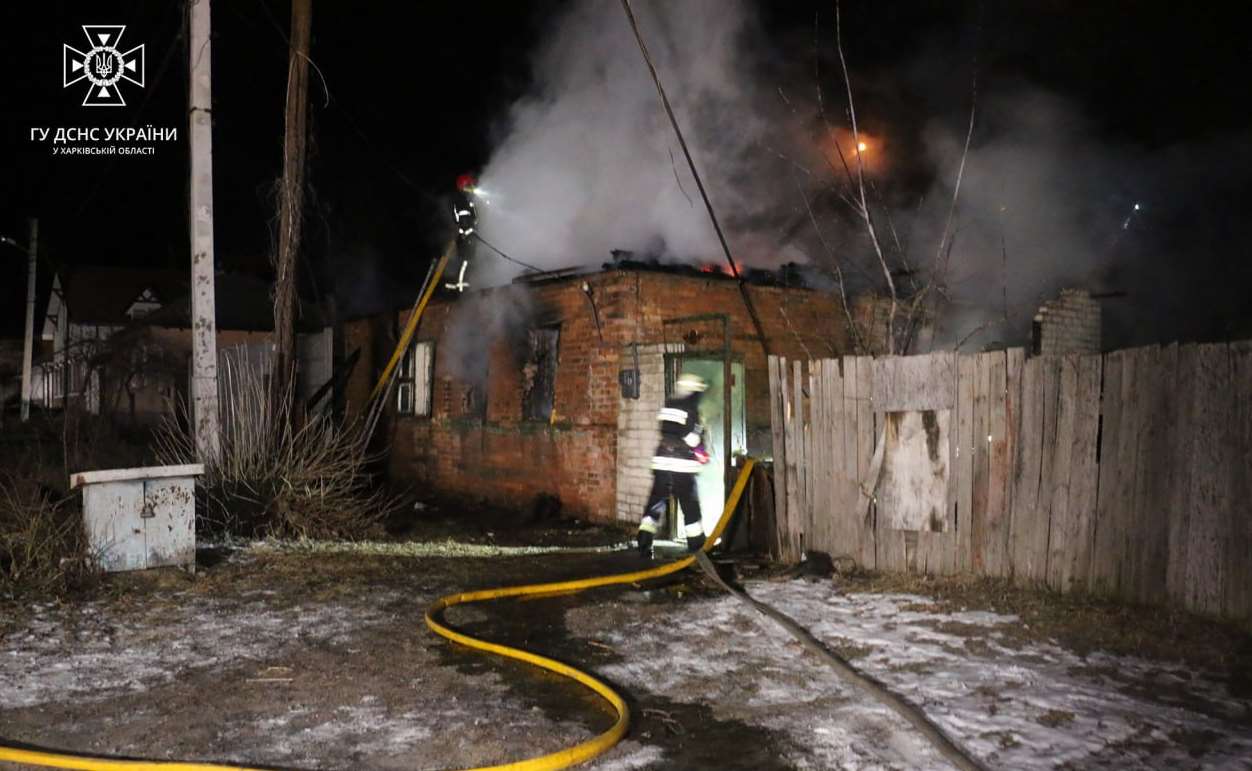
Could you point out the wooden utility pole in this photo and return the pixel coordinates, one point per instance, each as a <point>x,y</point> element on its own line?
<point>291,196</point>
<point>205,421</point>
<point>28,342</point>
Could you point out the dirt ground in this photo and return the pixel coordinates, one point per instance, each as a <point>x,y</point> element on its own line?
<point>320,659</point>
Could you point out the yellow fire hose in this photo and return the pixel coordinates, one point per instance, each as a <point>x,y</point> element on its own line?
<point>556,760</point>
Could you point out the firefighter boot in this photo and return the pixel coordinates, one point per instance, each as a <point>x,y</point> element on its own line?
<point>645,544</point>
<point>695,543</point>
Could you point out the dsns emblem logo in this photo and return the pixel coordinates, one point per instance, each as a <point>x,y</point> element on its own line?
<point>102,65</point>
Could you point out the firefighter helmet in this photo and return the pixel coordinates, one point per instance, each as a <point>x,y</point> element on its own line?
<point>465,183</point>
<point>689,383</point>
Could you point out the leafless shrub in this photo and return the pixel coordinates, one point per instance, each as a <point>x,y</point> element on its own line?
<point>43,549</point>
<point>279,472</point>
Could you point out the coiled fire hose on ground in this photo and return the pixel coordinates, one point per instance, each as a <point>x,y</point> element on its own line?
<point>556,760</point>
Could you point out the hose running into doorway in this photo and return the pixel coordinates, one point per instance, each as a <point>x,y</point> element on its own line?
<point>562,759</point>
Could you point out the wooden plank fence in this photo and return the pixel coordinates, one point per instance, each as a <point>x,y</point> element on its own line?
<point>1127,474</point>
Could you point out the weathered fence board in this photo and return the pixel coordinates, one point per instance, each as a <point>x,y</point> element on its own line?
<point>789,546</point>
<point>1105,549</point>
<point>1123,492</point>
<point>1182,459</point>
<point>1238,595</point>
<point>982,464</point>
<point>1208,490</point>
<point>778,421</point>
<point>912,382</point>
<point>1162,475</point>
<point>814,531</point>
<point>1124,474</point>
<point>1000,463</point>
<point>1029,529</point>
<point>1064,530</point>
<point>949,561</point>
<point>862,489</point>
<point>1150,537</point>
<point>823,473</point>
<point>966,375</point>
<point>1076,567</point>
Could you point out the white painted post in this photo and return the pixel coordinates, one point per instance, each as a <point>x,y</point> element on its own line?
<point>28,342</point>
<point>204,401</point>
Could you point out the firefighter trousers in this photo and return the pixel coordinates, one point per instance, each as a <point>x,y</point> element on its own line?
<point>683,487</point>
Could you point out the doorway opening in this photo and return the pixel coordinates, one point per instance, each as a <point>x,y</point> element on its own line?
<point>724,448</point>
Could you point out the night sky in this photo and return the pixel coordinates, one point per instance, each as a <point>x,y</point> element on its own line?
<point>407,95</point>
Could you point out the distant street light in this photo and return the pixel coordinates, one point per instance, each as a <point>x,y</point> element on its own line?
<point>14,244</point>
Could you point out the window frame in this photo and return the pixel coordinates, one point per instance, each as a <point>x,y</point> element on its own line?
<point>408,384</point>
<point>532,408</point>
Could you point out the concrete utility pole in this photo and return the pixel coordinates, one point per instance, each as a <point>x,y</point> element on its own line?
<point>291,197</point>
<point>28,342</point>
<point>205,419</point>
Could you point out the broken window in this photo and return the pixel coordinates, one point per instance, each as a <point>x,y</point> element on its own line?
<point>414,380</point>
<point>539,373</point>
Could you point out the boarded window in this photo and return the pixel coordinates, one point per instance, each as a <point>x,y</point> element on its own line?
<point>913,493</point>
<point>414,380</point>
<point>539,373</point>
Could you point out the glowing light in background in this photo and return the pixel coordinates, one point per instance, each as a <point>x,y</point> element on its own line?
<point>868,150</point>
<point>1126,222</point>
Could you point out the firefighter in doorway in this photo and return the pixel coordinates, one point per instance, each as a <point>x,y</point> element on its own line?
<point>678,459</point>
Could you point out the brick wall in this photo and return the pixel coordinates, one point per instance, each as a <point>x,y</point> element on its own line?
<point>1068,324</point>
<point>593,454</point>
<point>638,432</point>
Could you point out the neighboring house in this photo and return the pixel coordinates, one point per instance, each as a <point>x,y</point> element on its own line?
<point>118,341</point>
<point>526,393</point>
<point>10,371</point>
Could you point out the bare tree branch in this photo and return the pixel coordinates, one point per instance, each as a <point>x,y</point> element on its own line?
<point>860,184</point>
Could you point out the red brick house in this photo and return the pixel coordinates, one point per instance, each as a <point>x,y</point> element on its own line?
<point>524,392</point>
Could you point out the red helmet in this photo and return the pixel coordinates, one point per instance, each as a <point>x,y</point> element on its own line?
<point>465,182</point>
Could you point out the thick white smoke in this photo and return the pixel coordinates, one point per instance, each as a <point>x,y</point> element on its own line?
<point>588,162</point>
<point>1039,210</point>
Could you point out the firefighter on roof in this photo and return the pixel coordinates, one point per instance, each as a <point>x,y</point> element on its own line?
<point>466,217</point>
<point>679,457</point>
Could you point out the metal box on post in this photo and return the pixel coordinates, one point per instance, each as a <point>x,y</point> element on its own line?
<point>139,518</point>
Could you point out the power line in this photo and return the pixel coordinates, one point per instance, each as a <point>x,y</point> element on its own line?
<point>734,269</point>
<point>505,256</point>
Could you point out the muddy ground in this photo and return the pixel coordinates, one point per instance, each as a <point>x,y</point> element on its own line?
<point>319,659</point>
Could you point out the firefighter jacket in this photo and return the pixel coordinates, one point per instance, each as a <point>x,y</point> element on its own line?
<point>465,215</point>
<point>681,447</point>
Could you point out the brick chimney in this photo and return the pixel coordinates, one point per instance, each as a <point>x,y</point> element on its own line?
<point>1068,324</point>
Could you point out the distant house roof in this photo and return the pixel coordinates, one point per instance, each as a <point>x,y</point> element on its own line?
<point>118,296</point>
<point>99,295</point>
<point>243,303</point>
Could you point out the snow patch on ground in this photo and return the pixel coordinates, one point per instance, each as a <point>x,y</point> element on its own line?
<point>1010,705</point>
<point>93,652</point>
